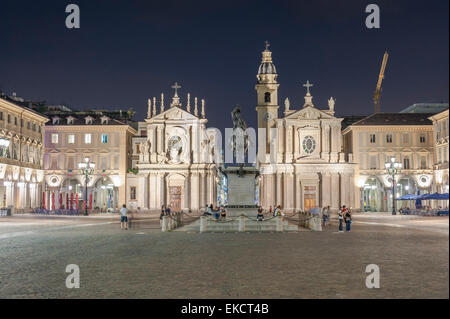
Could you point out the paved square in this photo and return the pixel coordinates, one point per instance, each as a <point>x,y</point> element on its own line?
<point>143,262</point>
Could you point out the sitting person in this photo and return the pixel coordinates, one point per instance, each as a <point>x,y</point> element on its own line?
<point>223,213</point>
<point>260,214</point>
<point>208,211</point>
<point>277,211</point>
<point>216,213</point>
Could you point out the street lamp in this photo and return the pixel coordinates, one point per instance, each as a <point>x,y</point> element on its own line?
<point>393,168</point>
<point>87,168</point>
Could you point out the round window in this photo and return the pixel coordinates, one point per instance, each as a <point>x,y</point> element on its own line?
<point>309,144</point>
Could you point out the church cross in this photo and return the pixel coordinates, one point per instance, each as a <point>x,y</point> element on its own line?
<point>176,86</point>
<point>307,86</point>
<point>267,45</point>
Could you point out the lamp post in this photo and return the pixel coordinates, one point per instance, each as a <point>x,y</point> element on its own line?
<point>393,168</point>
<point>87,168</point>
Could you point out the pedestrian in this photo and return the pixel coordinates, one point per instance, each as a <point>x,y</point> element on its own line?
<point>270,209</point>
<point>348,219</point>
<point>123,217</point>
<point>341,218</point>
<point>260,214</point>
<point>167,212</point>
<point>325,215</point>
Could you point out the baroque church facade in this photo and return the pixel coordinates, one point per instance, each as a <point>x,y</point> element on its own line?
<point>300,158</point>
<point>176,161</point>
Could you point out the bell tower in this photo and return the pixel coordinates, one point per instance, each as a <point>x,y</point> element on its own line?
<point>267,94</point>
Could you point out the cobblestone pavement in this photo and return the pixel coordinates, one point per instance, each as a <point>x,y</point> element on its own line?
<point>143,262</point>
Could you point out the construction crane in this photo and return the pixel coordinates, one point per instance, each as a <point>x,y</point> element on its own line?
<point>376,97</point>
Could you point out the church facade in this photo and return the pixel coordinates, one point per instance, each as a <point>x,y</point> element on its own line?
<point>176,160</point>
<point>300,157</point>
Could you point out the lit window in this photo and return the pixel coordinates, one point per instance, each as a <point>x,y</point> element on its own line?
<point>389,138</point>
<point>71,139</point>
<point>104,138</point>
<point>422,138</point>
<point>87,138</point>
<point>54,138</point>
<point>133,192</point>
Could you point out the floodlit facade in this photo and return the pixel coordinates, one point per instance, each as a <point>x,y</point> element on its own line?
<point>103,138</point>
<point>374,140</point>
<point>440,132</point>
<point>21,154</point>
<point>301,161</point>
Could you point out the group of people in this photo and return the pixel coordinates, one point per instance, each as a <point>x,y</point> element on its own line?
<point>219,213</point>
<point>344,216</point>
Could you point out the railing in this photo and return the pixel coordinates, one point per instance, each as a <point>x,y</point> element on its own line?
<point>57,212</point>
<point>172,221</point>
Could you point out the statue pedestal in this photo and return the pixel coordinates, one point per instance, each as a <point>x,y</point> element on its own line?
<point>241,186</point>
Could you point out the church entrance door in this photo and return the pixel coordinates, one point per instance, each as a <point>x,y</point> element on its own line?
<point>175,198</point>
<point>310,198</point>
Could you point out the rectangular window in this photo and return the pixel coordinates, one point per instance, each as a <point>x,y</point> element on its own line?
<point>144,133</point>
<point>104,138</point>
<point>54,138</point>
<point>389,138</point>
<point>87,138</point>
<point>1,116</point>
<point>9,118</point>
<point>138,149</point>
<point>28,125</point>
<point>133,192</point>
<point>423,162</point>
<point>372,138</point>
<point>406,163</point>
<point>71,139</point>
<point>422,138</point>
<point>373,162</point>
<point>15,120</point>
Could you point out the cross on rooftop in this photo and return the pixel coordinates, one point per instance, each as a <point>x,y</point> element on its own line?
<point>307,86</point>
<point>267,45</point>
<point>176,86</point>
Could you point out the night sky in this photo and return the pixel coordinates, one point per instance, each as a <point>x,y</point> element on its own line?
<point>128,51</point>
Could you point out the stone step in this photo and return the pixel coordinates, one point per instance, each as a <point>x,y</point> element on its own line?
<point>233,226</point>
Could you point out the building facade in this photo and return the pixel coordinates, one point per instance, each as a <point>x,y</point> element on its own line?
<point>374,140</point>
<point>176,165</point>
<point>300,157</point>
<point>21,154</point>
<point>100,136</point>
<point>440,132</point>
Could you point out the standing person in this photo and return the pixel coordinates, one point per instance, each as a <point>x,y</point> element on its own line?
<point>123,217</point>
<point>168,210</point>
<point>348,220</point>
<point>260,214</point>
<point>340,218</point>
<point>270,209</point>
<point>325,215</point>
<point>163,211</point>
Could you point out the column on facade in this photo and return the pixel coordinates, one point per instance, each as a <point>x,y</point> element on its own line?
<point>202,189</point>
<point>142,196</point>
<point>335,200</point>
<point>288,147</point>
<point>351,190</point>
<point>151,136</point>
<point>298,193</point>
<point>344,189</point>
<point>325,139</point>
<point>195,144</point>
<point>281,139</point>
<point>288,191</point>
<point>326,189</point>
<point>296,145</point>
<point>194,192</point>
<point>279,189</point>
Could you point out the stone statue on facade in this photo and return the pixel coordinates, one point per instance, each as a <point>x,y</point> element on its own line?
<point>331,103</point>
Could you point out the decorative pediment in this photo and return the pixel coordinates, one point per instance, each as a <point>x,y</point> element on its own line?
<point>174,113</point>
<point>309,113</point>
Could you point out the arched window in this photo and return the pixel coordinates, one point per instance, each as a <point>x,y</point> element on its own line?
<point>267,97</point>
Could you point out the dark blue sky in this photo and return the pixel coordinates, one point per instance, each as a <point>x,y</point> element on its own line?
<point>127,51</point>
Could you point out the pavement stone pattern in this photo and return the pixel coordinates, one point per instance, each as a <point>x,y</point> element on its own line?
<point>143,262</point>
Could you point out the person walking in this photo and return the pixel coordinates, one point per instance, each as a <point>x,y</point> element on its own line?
<point>123,217</point>
<point>348,220</point>
<point>341,218</point>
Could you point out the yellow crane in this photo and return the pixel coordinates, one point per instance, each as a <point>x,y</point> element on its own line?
<point>376,97</point>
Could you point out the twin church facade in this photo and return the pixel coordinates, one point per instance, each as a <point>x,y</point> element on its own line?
<point>300,159</point>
